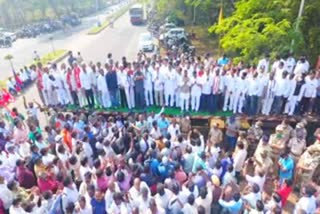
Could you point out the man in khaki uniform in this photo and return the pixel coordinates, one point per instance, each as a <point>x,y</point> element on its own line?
<point>297,146</point>
<point>287,130</point>
<point>215,135</point>
<point>300,129</point>
<point>263,162</point>
<point>255,132</point>
<point>277,143</point>
<point>263,146</point>
<point>307,164</point>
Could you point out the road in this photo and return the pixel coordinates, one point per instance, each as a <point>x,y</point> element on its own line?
<point>74,39</point>
<point>121,40</point>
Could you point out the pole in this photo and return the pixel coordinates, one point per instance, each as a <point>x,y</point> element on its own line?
<point>12,68</point>
<point>194,14</point>
<point>298,21</point>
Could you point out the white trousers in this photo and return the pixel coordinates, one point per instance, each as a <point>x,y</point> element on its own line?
<point>169,95</point>
<point>238,102</point>
<point>228,101</point>
<point>195,101</point>
<point>267,104</point>
<point>45,97</point>
<point>52,97</point>
<point>104,98</point>
<point>130,97</point>
<point>148,96</point>
<point>82,98</point>
<point>184,101</point>
<point>63,97</point>
<point>291,105</point>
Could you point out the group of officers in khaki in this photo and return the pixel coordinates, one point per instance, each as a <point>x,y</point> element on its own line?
<point>265,151</point>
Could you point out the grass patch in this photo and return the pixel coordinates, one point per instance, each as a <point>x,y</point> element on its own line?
<point>203,42</point>
<point>44,60</point>
<point>98,29</point>
<point>51,56</point>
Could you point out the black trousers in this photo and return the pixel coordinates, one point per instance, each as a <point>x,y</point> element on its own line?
<point>90,98</point>
<point>75,98</point>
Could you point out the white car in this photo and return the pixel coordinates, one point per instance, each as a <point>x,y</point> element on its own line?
<point>167,26</point>
<point>174,33</point>
<point>146,42</point>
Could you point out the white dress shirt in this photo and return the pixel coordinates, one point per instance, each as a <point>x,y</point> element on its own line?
<point>281,87</point>
<point>253,87</point>
<point>196,85</point>
<point>207,84</point>
<point>158,81</point>
<point>263,62</point>
<point>290,63</point>
<point>85,80</point>
<point>6,196</point>
<point>309,89</point>
<point>307,204</point>
<point>102,83</point>
<point>302,67</point>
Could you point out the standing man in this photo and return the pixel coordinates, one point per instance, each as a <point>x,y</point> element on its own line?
<point>76,78</point>
<point>229,90</point>
<point>264,64</point>
<point>206,91</point>
<point>158,87</point>
<point>185,92</point>
<point>253,91</point>
<point>102,88</point>
<point>62,96</point>
<point>128,85</point>
<point>196,87</point>
<point>308,93</point>
<point>240,93</point>
<point>139,87</point>
<point>148,84</point>
<point>290,99</point>
<point>86,85</point>
<point>269,95</point>
<point>112,83</point>
<point>169,86</point>
<point>40,84</point>
<point>216,90</point>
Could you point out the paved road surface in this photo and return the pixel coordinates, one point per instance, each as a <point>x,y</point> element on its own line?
<point>73,38</point>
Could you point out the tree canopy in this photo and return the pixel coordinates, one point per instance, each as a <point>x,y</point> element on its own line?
<point>257,27</point>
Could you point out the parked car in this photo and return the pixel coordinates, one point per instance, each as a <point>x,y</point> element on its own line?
<point>174,33</point>
<point>146,42</point>
<point>167,26</point>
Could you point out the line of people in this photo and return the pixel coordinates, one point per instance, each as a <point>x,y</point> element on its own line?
<point>191,84</point>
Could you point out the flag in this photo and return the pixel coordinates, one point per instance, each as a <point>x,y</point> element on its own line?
<point>220,16</point>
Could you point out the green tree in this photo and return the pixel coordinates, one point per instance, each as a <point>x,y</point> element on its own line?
<point>256,27</point>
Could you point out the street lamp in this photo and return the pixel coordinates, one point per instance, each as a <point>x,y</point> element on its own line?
<point>9,57</point>
<point>298,20</point>
<point>52,46</point>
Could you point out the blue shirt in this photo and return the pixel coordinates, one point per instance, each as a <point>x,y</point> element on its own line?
<point>223,61</point>
<point>154,166</point>
<point>233,207</point>
<point>288,165</point>
<point>98,207</point>
<point>112,80</point>
<point>163,125</point>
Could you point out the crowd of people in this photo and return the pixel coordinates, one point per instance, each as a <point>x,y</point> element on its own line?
<point>85,162</point>
<point>98,163</point>
<point>189,83</point>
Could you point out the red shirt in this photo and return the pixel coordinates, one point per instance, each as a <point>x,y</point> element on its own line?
<point>284,192</point>
<point>47,184</point>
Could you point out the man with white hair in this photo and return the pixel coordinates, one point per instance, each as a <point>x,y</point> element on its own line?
<point>169,85</point>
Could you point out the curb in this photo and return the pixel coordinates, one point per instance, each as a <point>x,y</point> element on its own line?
<point>60,58</point>
<point>117,16</point>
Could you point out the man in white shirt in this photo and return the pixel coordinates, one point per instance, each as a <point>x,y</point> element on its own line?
<point>229,91</point>
<point>174,129</point>
<point>240,93</point>
<point>158,81</point>
<point>185,92</point>
<point>86,85</point>
<point>102,88</point>
<point>205,198</point>
<point>6,195</point>
<point>128,85</point>
<point>302,66</point>
<point>290,63</point>
<point>60,87</point>
<point>253,93</point>
<point>196,86</point>
<point>308,93</point>
<point>276,63</point>
<point>291,100</point>
<point>269,95</point>
<point>254,196</point>
<point>279,71</point>
<point>163,196</point>
<point>206,91</point>
<point>239,159</point>
<point>170,85</point>
<point>148,84</point>
<point>281,89</point>
<point>307,203</point>
<point>189,207</point>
